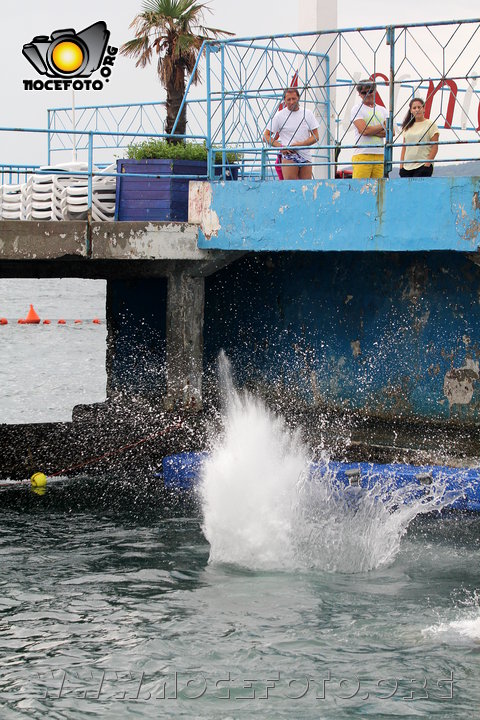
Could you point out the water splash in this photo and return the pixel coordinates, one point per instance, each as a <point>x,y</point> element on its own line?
<point>264,508</point>
<point>464,629</point>
<point>248,484</point>
<point>455,631</point>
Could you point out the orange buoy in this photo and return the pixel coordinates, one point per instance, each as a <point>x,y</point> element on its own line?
<point>3,321</point>
<point>32,317</point>
<point>46,322</point>
<point>78,322</point>
<point>61,322</point>
<point>21,321</point>
<point>96,321</point>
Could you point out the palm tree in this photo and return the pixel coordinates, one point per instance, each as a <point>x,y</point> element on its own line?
<point>173,29</point>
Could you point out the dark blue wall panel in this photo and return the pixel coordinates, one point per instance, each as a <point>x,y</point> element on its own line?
<point>395,334</point>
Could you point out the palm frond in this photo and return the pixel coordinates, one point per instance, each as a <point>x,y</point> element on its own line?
<point>208,32</point>
<point>139,47</point>
<point>174,30</point>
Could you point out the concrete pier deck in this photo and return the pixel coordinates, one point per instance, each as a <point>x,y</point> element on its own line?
<point>103,249</point>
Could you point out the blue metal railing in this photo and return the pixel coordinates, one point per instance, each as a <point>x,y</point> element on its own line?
<point>245,78</point>
<point>16,174</point>
<point>436,60</point>
<point>244,83</point>
<point>75,173</point>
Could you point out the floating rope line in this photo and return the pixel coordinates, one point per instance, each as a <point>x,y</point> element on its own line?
<point>110,453</point>
<point>117,451</point>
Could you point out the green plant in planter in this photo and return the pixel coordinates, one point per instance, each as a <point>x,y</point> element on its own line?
<point>163,150</point>
<point>153,182</point>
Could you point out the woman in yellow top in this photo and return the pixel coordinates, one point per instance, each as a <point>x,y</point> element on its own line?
<point>421,136</point>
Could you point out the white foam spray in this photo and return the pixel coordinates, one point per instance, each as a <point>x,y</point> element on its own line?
<point>455,631</point>
<point>264,509</point>
<point>464,628</point>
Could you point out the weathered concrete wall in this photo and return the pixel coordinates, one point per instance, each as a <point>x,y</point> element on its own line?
<point>386,215</point>
<point>185,308</point>
<point>145,241</point>
<point>30,240</point>
<point>391,334</point>
<point>155,338</point>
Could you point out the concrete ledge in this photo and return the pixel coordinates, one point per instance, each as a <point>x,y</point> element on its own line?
<point>46,240</point>
<point>28,240</point>
<point>145,241</point>
<point>117,249</point>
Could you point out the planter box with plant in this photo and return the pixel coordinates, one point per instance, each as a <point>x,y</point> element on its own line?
<point>162,198</point>
<point>173,32</point>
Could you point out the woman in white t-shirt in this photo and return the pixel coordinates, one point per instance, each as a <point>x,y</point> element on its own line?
<point>294,130</point>
<point>421,138</point>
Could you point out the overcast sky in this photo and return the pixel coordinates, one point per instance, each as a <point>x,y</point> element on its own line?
<point>21,21</point>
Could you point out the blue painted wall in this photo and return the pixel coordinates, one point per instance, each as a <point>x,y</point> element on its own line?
<point>385,215</point>
<point>374,331</point>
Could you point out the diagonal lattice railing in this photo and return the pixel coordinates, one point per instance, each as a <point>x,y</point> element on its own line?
<point>439,62</point>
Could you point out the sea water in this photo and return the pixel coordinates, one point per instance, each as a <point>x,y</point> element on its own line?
<point>45,370</point>
<point>116,612</point>
<point>274,597</point>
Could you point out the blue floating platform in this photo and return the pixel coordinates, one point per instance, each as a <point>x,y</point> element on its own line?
<point>181,473</point>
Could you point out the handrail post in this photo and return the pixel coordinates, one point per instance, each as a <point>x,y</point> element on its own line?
<point>90,170</point>
<point>90,191</point>
<point>190,80</point>
<point>211,164</point>
<point>48,136</point>
<point>389,133</point>
<point>329,136</point>
<point>210,154</point>
<point>222,75</point>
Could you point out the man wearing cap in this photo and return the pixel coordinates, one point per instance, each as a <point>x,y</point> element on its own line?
<point>369,123</point>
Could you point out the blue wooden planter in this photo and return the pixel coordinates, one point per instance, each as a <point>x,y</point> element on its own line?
<point>163,198</point>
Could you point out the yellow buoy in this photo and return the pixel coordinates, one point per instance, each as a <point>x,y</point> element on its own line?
<point>39,490</point>
<point>38,480</point>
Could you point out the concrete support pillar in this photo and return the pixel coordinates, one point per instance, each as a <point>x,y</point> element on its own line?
<point>185,309</point>
<point>314,15</point>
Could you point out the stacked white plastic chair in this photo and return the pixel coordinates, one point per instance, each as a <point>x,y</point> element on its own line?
<point>74,204</point>
<point>38,203</point>
<point>104,193</point>
<point>64,180</point>
<point>55,192</point>
<point>12,202</point>
<point>25,196</point>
